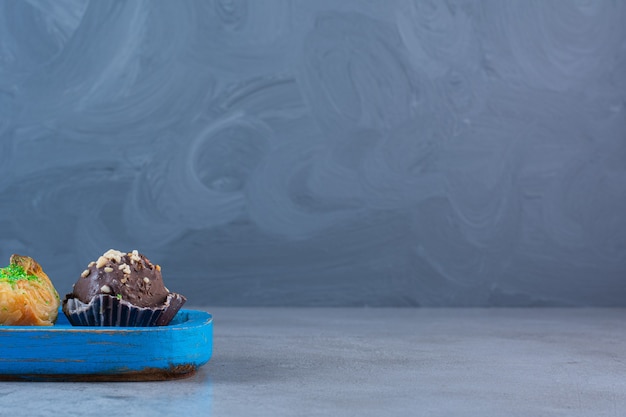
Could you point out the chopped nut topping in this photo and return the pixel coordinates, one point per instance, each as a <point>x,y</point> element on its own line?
<point>108,269</point>
<point>134,256</point>
<point>158,267</point>
<point>102,261</point>
<point>113,255</point>
<point>105,289</point>
<point>92,263</point>
<point>146,280</point>
<point>85,273</point>
<point>125,268</point>
<point>123,280</point>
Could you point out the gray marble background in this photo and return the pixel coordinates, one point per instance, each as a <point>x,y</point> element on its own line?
<point>275,152</point>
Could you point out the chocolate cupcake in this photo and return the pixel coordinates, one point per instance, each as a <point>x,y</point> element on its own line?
<point>121,289</point>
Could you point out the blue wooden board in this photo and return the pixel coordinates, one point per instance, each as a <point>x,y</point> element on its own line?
<point>66,353</point>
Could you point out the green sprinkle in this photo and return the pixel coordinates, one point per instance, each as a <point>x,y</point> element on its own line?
<point>14,273</point>
<point>119,296</point>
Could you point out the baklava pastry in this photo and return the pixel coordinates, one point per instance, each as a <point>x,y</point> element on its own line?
<point>27,296</point>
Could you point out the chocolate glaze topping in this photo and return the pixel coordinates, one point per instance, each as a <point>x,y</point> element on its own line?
<point>128,276</point>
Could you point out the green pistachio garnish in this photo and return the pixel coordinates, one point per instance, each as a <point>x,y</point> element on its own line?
<point>14,273</point>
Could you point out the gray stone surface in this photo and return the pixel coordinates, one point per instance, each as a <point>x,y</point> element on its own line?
<point>375,362</point>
